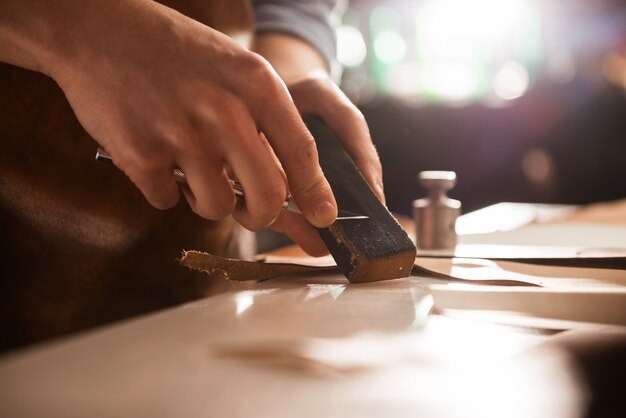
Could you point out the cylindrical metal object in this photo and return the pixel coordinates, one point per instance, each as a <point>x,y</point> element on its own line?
<point>435,216</point>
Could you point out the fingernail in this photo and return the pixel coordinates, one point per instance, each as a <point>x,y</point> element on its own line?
<point>325,214</point>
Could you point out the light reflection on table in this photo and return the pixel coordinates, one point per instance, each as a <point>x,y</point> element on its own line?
<point>305,346</point>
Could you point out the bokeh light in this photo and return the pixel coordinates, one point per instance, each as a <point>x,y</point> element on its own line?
<point>461,43</point>
<point>389,46</point>
<point>511,81</point>
<point>351,49</point>
<point>451,51</point>
<point>451,81</point>
<point>403,80</point>
<point>561,68</point>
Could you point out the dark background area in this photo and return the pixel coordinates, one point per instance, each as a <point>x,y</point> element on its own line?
<point>562,141</point>
<point>577,150</point>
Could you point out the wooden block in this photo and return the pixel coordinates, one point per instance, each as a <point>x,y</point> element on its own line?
<point>366,250</point>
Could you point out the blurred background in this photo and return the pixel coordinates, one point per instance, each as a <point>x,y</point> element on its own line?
<point>524,99</point>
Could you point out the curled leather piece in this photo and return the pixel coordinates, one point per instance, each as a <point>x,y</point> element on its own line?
<point>241,270</point>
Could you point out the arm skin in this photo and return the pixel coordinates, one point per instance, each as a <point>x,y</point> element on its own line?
<point>159,90</point>
<point>305,72</point>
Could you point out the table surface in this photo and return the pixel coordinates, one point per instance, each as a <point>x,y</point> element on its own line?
<point>298,346</point>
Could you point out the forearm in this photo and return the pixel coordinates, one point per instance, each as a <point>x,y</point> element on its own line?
<point>28,32</point>
<point>50,35</point>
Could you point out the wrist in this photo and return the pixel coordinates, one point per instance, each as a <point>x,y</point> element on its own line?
<point>292,58</point>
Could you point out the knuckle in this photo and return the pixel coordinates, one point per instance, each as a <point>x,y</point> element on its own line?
<point>253,63</point>
<point>142,165</point>
<point>262,85</point>
<point>347,109</point>
<point>263,75</point>
<point>274,192</point>
<point>305,152</point>
<point>146,166</point>
<point>358,116</point>
<point>271,198</point>
<point>316,190</point>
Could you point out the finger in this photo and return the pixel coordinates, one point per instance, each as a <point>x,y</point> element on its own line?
<point>346,121</point>
<point>266,143</point>
<point>208,190</point>
<point>254,165</point>
<point>155,180</point>
<point>301,231</point>
<point>352,130</point>
<point>295,148</point>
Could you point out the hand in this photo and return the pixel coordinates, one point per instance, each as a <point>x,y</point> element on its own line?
<point>318,94</point>
<point>306,74</point>
<point>158,90</point>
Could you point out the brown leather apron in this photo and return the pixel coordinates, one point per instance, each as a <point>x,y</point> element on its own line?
<point>79,245</point>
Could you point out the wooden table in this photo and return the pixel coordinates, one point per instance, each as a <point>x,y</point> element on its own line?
<point>307,346</point>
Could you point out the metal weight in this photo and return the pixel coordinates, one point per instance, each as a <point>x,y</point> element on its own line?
<point>435,215</point>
